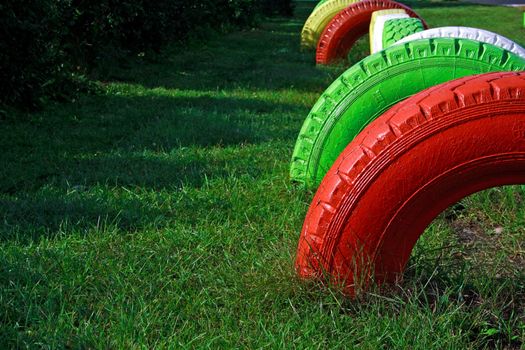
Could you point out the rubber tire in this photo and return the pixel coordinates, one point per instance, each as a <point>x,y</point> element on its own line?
<point>395,30</point>
<point>420,157</point>
<point>318,19</point>
<point>349,25</point>
<point>320,3</point>
<point>380,13</point>
<point>374,84</point>
<point>468,33</point>
<point>376,27</point>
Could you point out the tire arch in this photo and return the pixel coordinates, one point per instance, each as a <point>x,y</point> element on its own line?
<point>378,198</point>
<point>349,25</point>
<point>377,23</point>
<point>371,86</point>
<point>477,34</point>
<point>318,19</point>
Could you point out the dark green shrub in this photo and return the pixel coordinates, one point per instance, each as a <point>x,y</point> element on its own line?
<point>96,29</point>
<point>32,63</point>
<point>46,45</point>
<point>277,7</point>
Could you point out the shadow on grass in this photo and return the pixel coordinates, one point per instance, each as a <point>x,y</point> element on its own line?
<point>49,213</point>
<point>128,204</point>
<point>264,58</point>
<point>65,168</point>
<point>115,132</point>
<point>140,143</point>
<point>493,297</point>
<point>154,121</point>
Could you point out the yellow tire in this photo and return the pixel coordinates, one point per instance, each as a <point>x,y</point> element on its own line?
<point>374,31</point>
<point>318,19</point>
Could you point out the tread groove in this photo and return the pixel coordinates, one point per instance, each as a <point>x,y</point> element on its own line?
<point>368,222</point>
<point>359,83</point>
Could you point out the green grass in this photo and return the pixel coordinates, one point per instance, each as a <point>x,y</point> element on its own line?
<point>160,214</point>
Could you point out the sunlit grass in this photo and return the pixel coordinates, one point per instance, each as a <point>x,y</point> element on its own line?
<point>160,214</point>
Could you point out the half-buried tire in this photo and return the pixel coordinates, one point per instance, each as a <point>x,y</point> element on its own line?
<point>350,24</point>
<point>373,85</point>
<point>318,19</point>
<point>477,34</point>
<point>407,166</point>
<point>319,3</point>
<point>395,30</point>
<point>377,23</point>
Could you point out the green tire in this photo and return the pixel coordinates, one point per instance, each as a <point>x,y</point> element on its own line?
<point>371,86</point>
<point>396,29</point>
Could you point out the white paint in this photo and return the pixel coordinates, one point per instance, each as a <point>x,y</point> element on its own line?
<point>376,33</point>
<point>477,34</point>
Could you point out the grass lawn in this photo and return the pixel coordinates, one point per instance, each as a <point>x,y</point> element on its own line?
<point>160,214</point>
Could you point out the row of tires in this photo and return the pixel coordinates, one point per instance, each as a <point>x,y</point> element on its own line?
<point>335,25</point>
<point>428,118</point>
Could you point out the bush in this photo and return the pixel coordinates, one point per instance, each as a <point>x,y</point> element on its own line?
<point>31,59</point>
<point>46,45</point>
<point>277,7</point>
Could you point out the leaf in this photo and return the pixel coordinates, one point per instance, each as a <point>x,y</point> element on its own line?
<point>489,332</point>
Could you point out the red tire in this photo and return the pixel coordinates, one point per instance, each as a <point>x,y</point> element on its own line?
<point>421,156</point>
<point>349,25</point>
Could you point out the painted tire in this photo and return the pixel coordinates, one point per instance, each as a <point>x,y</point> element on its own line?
<point>395,30</point>
<point>349,25</point>
<point>376,26</point>
<point>484,36</point>
<point>374,84</point>
<point>410,164</point>
<point>320,3</point>
<point>381,13</point>
<point>318,19</point>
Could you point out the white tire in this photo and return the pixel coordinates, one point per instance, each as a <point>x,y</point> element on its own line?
<point>378,22</point>
<point>481,35</point>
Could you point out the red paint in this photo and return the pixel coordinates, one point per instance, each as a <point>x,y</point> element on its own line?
<point>350,24</point>
<point>418,158</point>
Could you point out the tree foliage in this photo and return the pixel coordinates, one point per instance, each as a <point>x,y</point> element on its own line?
<point>45,45</point>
